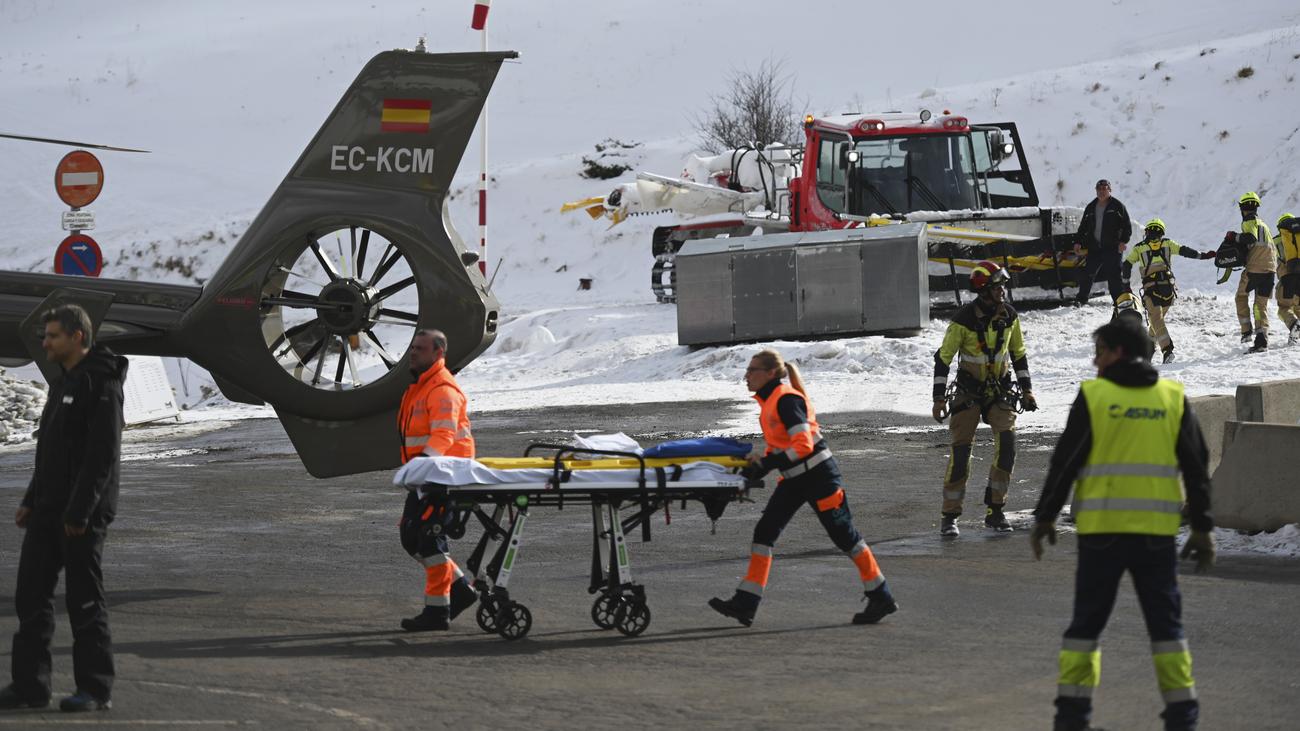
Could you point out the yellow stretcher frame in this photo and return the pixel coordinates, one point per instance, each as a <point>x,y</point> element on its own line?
<point>1042,262</point>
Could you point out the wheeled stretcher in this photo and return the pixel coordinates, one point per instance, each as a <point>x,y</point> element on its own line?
<point>622,489</point>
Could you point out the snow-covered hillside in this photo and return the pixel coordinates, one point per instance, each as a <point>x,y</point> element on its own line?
<point>1152,95</point>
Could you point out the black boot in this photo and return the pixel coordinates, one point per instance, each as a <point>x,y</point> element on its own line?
<point>1169,354</point>
<point>432,619</point>
<point>994,519</point>
<point>1261,342</point>
<point>1245,336</point>
<point>463,597</point>
<point>880,604</point>
<point>742,607</point>
<point>11,699</point>
<point>948,527</point>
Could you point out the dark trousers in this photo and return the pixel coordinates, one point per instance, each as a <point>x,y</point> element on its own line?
<point>1103,261</point>
<point>46,551</point>
<point>423,530</point>
<point>1153,563</point>
<point>792,494</point>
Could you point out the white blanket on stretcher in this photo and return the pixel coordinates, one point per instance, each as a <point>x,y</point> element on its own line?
<point>463,472</point>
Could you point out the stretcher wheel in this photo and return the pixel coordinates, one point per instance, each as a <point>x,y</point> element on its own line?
<point>514,621</point>
<point>632,617</point>
<point>487,615</point>
<point>603,611</point>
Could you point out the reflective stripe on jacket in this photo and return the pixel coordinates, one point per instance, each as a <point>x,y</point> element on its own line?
<point>1261,256</point>
<point>796,441</point>
<point>433,418</point>
<point>1288,248</point>
<point>1153,256</point>
<point>1129,483</point>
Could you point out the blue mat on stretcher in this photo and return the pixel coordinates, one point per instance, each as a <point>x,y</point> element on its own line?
<point>702,447</point>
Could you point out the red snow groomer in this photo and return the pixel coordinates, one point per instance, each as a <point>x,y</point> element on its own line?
<point>970,183</point>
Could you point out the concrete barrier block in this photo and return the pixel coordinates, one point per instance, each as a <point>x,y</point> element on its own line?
<point>1257,484</point>
<point>1272,402</point>
<point>1213,412</point>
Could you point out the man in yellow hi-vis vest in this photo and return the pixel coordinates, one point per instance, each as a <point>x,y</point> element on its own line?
<point>1128,436</point>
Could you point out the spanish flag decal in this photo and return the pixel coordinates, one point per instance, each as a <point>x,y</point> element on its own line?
<point>406,115</point>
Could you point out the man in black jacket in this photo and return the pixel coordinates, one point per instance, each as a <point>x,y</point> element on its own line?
<point>1104,231</point>
<point>66,511</point>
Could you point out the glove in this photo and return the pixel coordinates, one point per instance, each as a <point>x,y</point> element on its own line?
<point>1209,254</point>
<point>940,411</point>
<point>1042,529</point>
<point>1200,548</point>
<point>1028,402</point>
<point>753,471</point>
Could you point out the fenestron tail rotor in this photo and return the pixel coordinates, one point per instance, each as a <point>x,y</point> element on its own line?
<point>334,315</point>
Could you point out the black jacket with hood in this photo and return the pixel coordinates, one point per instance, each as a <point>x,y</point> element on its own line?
<point>78,447</point>
<point>1076,442</point>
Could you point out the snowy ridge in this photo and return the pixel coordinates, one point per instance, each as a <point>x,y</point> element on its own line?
<point>1150,117</point>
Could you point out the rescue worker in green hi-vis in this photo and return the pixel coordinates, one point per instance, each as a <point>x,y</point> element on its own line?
<point>1260,256</point>
<point>1288,274</point>
<point>1154,257</point>
<point>985,337</point>
<point>1128,436</point>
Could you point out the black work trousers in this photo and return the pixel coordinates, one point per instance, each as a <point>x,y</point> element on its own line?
<point>818,484</point>
<point>425,520</point>
<point>1152,561</point>
<point>46,551</point>
<point>1102,262</point>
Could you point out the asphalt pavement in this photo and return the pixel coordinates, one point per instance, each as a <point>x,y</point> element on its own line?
<point>244,592</point>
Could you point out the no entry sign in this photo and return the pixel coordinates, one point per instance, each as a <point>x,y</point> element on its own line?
<point>79,255</point>
<point>79,178</point>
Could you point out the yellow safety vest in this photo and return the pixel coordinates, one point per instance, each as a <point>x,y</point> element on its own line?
<point>1130,482</point>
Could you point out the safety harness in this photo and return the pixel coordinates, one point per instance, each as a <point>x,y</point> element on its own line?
<point>1160,285</point>
<point>968,392</point>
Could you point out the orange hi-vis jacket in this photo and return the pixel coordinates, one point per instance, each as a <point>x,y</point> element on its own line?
<point>433,419</point>
<point>797,442</point>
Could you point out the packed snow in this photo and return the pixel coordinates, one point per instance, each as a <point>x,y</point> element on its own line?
<point>1182,105</point>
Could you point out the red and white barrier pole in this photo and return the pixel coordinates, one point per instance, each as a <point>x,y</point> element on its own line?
<point>479,23</point>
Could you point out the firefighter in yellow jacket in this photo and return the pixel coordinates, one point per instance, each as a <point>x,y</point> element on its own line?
<point>1288,274</point>
<point>1128,436</point>
<point>985,336</point>
<point>1154,255</point>
<point>1256,243</point>
<point>433,422</point>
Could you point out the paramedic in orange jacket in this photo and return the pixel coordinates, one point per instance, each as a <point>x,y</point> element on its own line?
<point>433,422</point>
<point>809,474</point>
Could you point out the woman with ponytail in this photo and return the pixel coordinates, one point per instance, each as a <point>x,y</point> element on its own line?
<point>809,474</point>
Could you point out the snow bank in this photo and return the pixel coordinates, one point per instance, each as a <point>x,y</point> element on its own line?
<point>21,402</point>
